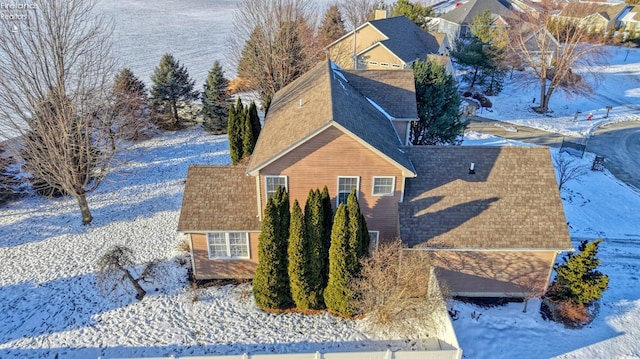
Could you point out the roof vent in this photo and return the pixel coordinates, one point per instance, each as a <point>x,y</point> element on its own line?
<point>472,168</point>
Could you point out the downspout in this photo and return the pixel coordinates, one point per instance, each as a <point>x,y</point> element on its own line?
<point>355,56</point>
<point>259,197</point>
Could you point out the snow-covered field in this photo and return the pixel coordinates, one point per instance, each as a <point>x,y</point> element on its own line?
<point>50,304</point>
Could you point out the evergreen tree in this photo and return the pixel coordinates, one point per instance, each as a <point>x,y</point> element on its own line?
<point>338,296</point>
<point>318,261</point>
<point>234,132</point>
<point>332,27</point>
<point>438,106</point>
<point>255,123</point>
<point>577,278</point>
<point>271,281</point>
<point>214,100</point>
<point>130,106</point>
<point>171,87</point>
<point>413,11</point>
<point>303,274</point>
<point>494,44</point>
<point>470,55</point>
<point>358,232</point>
<point>327,219</point>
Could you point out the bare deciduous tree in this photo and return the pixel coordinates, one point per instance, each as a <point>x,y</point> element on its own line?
<point>552,47</point>
<point>274,42</point>
<point>567,170</point>
<point>393,290</point>
<point>113,267</point>
<point>357,12</point>
<point>55,69</point>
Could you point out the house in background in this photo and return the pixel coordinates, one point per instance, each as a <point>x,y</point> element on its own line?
<point>387,44</point>
<point>629,20</point>
<point>347,130</point>
<point>456,24</point>
<point>596,17</point>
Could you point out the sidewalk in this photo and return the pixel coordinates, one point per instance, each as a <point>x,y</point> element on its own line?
<point>515,132</point>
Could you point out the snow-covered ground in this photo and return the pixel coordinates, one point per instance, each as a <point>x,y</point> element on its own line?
<point>50,303</point>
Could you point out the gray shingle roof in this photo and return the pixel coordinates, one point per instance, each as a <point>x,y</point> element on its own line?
<point>327,99</point>
<point>465,13</point>
<point>219,198</point>
<point>406,39</point>
<point>511,202</point>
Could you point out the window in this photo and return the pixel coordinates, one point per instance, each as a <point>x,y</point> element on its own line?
<point>396,66</point>
<point>374,237</point>
<point>362,61</point>
<point>272,183</point>
<point>384,64</point>
<point>373,63</point>
<point>345,185</point>
<point>383,186</point>
<point>228,244</point>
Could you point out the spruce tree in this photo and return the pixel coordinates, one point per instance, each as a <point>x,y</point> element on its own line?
<point>358,232</point>
<point>271,281</point>
<point>332,27</point>
<point>318,262</point>
<point>130,106</point>
<point>171,87</point>
<point>234,132</point>
<point>327,219</point>
<point>438,106</point>
<point>577,278</point>
<point>415,12</point>
<point>214,100</point>
<point>338,296</point>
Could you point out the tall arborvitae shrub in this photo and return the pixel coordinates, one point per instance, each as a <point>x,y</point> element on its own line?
<point>234,131</point>
<point>255,124</point>
<point>301,271</point>
<point>327,220</point>
<point>338,296</point>
<point>214,100</point>
<point>578,278</point>
<point>358,232</point>
<point>313,221</point>
<point>271,282</point>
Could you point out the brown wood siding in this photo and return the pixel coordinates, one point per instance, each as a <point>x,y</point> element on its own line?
<point>494,273</point>
<point>319,162</point>
<point>205,268</point>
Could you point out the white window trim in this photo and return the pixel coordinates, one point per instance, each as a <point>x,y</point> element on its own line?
<point>373,62</point>
<point>286,184</point>
<point>385,64</point>
<point>393,186</point>
<point>372,246</point>
<point>338,188</point>
<point>226,237</point>
<point>396,66</point>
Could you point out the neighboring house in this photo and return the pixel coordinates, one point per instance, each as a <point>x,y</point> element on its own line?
<point>386,44</point>
<point>629,20</point>
<point>539,44</point>
<point>349,129</point>
<point>596,17</point>
<point>456,24</point>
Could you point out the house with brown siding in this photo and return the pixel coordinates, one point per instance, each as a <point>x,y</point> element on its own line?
<point>348,129</point>
<point>392,43</point>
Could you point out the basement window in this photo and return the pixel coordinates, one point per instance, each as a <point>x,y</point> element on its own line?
<point>228,245</point>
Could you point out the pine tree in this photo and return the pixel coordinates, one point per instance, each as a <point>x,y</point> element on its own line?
<point>171,87</point>
<point>415,12</point>
<point>271,281</point>
<point>332,27</point>
<point>318,261</point>
<point>214,100</point>
<point>577,278</point>
<point>338,296</point>
<point>234,132</point>
<point>327,219</point>
<point>438,106</point>
<point>358,232</point>
<point>130,106</point>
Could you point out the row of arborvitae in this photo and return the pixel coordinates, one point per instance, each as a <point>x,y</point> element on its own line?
<point>308,259</point>
<point>243,127</point>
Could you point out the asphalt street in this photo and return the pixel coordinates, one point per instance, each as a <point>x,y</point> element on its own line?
<point>619,143</point>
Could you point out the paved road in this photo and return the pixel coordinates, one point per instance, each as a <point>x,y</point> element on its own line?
<point>619,143</point>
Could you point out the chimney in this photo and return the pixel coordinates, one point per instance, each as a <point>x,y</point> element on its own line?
<point>380,14</point>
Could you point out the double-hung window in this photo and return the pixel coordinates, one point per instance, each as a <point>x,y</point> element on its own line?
<point>228,245</point>
<point>383,186</point>
<point>345,185</point>
<point>272,183</point>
